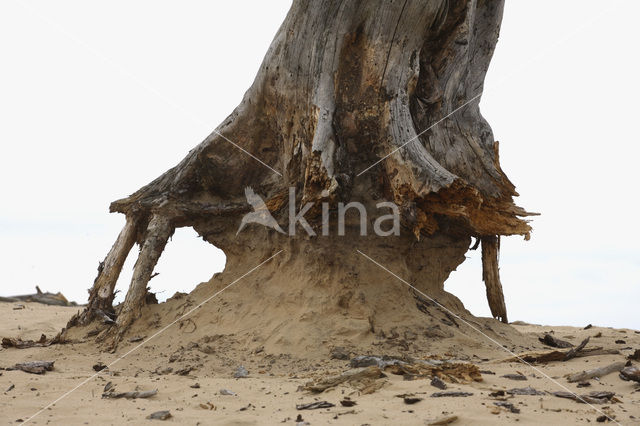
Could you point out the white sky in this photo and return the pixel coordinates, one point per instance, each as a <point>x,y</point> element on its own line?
<point>99,98</point>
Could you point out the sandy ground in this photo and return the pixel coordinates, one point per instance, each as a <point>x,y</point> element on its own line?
<point>271,392</point>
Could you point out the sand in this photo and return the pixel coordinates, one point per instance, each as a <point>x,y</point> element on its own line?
<point>271,392</point>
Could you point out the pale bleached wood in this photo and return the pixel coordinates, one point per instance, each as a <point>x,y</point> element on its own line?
<point>596,372</point>
<point>102,293</point>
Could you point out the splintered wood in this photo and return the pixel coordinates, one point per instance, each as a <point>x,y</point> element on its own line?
<point>365,378</point>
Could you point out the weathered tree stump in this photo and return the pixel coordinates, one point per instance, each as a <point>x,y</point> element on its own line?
<point>355,101</point>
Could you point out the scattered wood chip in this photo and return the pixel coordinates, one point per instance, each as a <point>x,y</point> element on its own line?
<point>12,387</point>
<point>443,421</point>
<point>410,400</point>
<point>630,373</point>
<point>588,327</point>
<point>195,386</point>
<point>509,406</point>
<point>160,415</point>
<point>596,372</point>
<point>438,383</point>
<point>347,402</point>
<point>136,339</point>
<point>34,367</point>
<point>99,367</point>
<point>314,405</point>
<point>451,394</point>
<point>227,392</point>
<point>518,376</point>
<point>621,342</point>
<point>584,384</point>
<point>525,391</point>
<point>208,406</point>
<point>552,341</point>
<point>130,395</point>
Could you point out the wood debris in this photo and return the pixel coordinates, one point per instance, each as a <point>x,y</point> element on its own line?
<point>596,372</point>
<point>160,415</point>
<point>518,376</point>
<point>450,393</point>
<point>598,397</point>
<point>130,395</point>
<point>34,367</point>
<point>438,383</point>
<point>45,298</point>
<point>443,421</point>
<point>577,352</point>
<point>509,406</point>
<point>525,391</point>
<point>554,342</point>
<point>630,373</point>
<point>347,402</point>
<point>453,372</point>
<point>353,376</point>
<point>8,342</point>
<point>315,405</point>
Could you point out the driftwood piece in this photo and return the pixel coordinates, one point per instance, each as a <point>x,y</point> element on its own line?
<point>596,372</point>
<point>453,372</point>
<point>543,357</point>
<point>598,350</point>
<point>314,405</point>
<point>130,395</point>
<point>525,391</point>
<point>572,352</point>
<point>554,342</point>
<point>450,394</point>
<point>47,298</point>
<point>8,342</point>
<point>350,376</point>
<point>597,397</point>
<point>34,367</point>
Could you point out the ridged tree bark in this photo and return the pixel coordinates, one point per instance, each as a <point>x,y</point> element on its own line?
<point>355,101</point>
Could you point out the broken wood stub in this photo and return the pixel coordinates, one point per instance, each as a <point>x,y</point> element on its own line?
<point>491,277</point>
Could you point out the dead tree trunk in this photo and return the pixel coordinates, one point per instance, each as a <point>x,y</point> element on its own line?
<point>355,101</point>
